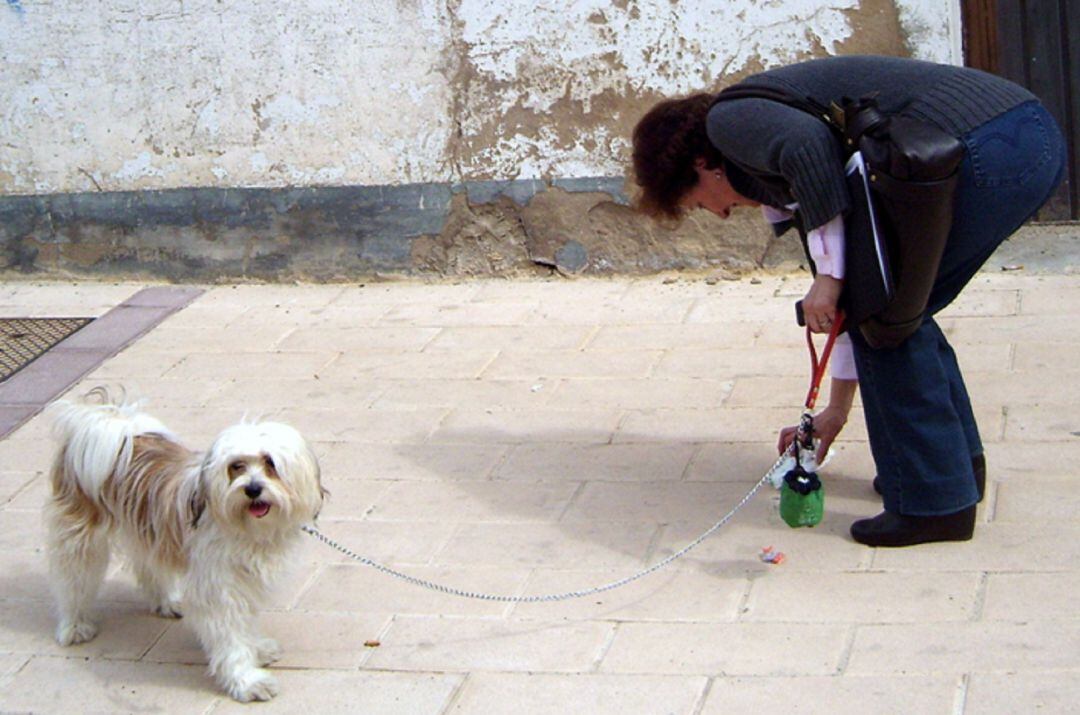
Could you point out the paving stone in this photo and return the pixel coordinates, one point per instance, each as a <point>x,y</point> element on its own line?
<point>641,393</point>
<point>68,685</point>
<point>674,594</point>
<point>270,295</point>
<point>435,314</point>
<point>468,644</point>
<point>490,394</point>
<point>238,366</point>
<point>486,693</point>
<point>1034,423</point>
<point>1030,596</point>
<point>1047,500</point>
<point>33,494</point>
<point>134,363</point>
<point>488,501</point>
<point>116,328</point>
<point>568,309</point>
<point>936,648</point>
<point>571,363</point>
<point>214,336</point>
<point>562,461</point>
<point>682,337</point>
<point>662,502</point>
<point>761,649</point>
<point>52,373</point>
<point>725,309</point>
<point>592,544</point>
<point>396,365</point>
<point>733,363</point>
<point>524,426</point>
<point>12,482</point>
<point>12,416</point>
<point>299,393</point>
<point>125,634</point>
<point>994,547</point>
<point>863,597</point>
<point>641,412</point>
<point>358,337</point>
<point>734,424</point>
<point>406,292</point>
<point>833,695</point>
<point>330,692</point>
<point>368,426</point>
<point>308,640</point>
<point>351,499</point>
<point>361,460</point>
<point>1061,300</point>
<point>23,574</point>
<point>21,531</point>
<point>510,337</point>
<point>1027,692</point>
<point>1021,330</point>
<point>401,542</point>
<point>356,588</point>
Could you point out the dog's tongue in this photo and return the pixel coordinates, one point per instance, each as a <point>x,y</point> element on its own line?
<point>259,509</point>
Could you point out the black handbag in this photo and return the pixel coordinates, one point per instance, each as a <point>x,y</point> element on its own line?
<point>911,170</point>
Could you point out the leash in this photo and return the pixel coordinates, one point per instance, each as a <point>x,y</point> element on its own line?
<point>549,597</point>
<point>802,497</point>
<point>818,373</point>
<point>817,367</point>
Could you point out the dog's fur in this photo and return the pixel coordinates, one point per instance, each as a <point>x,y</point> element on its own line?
<point>209,529</point>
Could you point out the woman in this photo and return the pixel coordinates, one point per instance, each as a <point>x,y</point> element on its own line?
<point>693,154</point>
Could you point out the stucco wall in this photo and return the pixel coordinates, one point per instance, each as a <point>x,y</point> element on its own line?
<point>150,94</point>
<point>483,103</point>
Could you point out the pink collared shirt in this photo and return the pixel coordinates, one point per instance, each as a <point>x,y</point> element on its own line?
<point>826,246</point>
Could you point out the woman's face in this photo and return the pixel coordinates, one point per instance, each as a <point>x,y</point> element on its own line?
<point>713,192</point>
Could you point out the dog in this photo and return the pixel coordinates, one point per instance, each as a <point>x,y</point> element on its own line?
<point>208,530</point>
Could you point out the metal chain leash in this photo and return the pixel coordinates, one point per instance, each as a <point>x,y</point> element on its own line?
<point>542,598</point>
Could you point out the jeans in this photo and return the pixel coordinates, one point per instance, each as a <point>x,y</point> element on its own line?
<point>919,419</point>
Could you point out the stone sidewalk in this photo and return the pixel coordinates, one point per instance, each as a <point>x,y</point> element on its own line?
<point>544,436</point>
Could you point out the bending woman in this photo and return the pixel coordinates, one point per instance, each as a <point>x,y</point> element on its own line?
<point>693,154</point>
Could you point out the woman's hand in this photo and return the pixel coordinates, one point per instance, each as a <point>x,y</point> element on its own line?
<point>819,305</point>
<point>829,422</point>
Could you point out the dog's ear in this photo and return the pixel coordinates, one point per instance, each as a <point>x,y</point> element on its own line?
<point>197,504</point>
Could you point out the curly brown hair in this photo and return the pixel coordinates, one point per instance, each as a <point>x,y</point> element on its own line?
<point>667,141</point>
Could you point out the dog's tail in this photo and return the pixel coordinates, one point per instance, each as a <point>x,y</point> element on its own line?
<point>98,437</point>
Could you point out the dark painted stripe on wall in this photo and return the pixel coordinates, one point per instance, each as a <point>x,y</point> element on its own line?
<point>204,233</point>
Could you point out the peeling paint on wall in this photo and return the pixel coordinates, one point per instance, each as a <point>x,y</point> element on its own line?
<point>159,94</point>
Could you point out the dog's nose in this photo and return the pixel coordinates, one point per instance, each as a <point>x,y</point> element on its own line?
<point>253,491</point>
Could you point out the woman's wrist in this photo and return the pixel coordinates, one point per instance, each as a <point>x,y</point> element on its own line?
<point>842,395</point>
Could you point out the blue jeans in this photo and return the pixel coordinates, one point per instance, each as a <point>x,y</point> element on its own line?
<point>921,427</point>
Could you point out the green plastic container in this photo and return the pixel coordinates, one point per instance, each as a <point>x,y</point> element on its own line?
<point>802,499</point>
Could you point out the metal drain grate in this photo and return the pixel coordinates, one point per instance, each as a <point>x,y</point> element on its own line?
<point>23,340</point>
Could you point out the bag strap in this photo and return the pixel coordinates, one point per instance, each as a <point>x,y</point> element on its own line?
<point>850,120</point>
<point>745,90</point>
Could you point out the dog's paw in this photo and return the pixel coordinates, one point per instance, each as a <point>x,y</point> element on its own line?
<point>75,632</point>
<point>254,684</point>
<point>168,609</point>
<point>267,651</point>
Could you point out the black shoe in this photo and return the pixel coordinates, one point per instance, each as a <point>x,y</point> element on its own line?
<point>978,464</point>
<point>888,529</point>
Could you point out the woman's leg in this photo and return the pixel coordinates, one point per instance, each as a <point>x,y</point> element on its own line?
<point>920,422</point>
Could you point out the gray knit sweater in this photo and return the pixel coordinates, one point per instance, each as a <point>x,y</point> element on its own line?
<point>777,154</point>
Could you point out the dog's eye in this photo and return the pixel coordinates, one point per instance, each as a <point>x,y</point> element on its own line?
<point>269,462</point>
<point>236,469</point>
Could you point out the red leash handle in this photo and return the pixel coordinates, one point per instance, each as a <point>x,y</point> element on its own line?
<point>817,369</point>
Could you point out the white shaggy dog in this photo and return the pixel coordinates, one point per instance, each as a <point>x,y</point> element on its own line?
<point>208,529</point>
